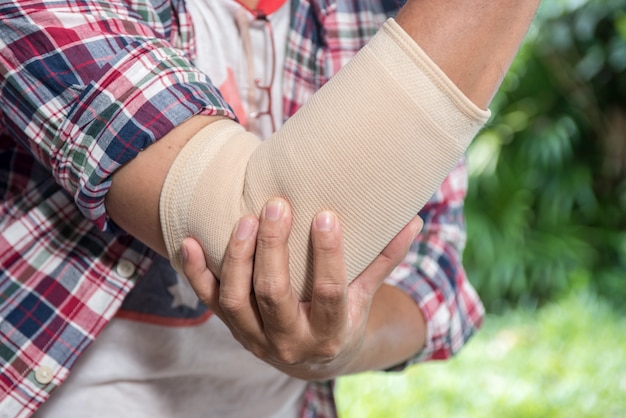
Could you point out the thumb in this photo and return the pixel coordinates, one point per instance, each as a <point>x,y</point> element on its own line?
<point>200,277</point>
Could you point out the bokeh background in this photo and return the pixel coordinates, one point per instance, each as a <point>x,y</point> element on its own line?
<point>546,217</point>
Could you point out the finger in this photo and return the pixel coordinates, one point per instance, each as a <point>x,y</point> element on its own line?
<point>199,276</point>
<point>277,302</point>
<point>398,247</point>
<point>329,299</point>
<point>236,279</point>
<point>378,270</point>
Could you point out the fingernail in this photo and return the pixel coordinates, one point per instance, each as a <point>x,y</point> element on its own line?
<point>325,221</point>
<point>274,210</point>
<point>244,229</point>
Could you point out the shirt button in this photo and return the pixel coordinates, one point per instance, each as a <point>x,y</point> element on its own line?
<point>125,268</point>
<point>43,375</point>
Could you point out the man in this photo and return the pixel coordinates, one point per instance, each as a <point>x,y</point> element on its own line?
<point>86,87</point>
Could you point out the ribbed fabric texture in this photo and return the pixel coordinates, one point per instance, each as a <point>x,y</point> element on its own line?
<point>203,192</point>
<point>372,145</point>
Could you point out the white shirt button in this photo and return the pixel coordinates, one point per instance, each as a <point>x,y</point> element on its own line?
<point>125,268</point>
<point>43,375</point>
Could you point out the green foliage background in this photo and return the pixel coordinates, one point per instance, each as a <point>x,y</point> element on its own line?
<point>546,215</point>
<point>546,209</point>
<point>525,364</point>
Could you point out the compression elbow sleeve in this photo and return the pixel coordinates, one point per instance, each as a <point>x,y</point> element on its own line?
<point>372,145</point>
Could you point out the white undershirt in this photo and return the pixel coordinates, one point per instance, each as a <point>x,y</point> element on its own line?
<point>215,22</point>
<point>137,370</point>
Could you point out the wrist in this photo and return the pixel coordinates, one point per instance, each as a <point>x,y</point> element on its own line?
<point>396,331</point>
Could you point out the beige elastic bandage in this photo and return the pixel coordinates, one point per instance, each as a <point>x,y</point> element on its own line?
<point>372,145</point>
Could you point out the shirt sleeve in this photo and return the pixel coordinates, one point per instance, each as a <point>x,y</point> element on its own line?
<point>86,85</point>
<point>432,273</point>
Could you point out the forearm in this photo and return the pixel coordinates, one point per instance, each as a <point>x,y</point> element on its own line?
<point>396,331</point>
<point>473,42</point>
<point>475,56</point>
<point>373,156</point>
<point>133,199</point>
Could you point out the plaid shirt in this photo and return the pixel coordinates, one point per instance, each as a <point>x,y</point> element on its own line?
<point>84,86</point>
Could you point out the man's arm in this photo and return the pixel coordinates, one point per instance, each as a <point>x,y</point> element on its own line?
<point>394,329</point>
<point>433,277</point>
<point>133,199</point>
<point>475,55</point>
<point>473,42</point>
<point>329,336</point>
<point>491,32</point>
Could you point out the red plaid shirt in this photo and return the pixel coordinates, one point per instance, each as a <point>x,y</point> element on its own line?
<point>84,86</point>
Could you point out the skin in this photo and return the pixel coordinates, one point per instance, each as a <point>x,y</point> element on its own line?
<point>308,340</point>
<point>344,329</point>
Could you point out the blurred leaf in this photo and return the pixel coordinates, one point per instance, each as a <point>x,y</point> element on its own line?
<point>547,193</point>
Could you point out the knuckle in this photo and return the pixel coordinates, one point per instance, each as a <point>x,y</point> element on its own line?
<point>206,301</point>
<point>284,354</point>
<point>330,293</point>
<point>235,254</point>
<point>329,351</point>
<point>270,239</point>
<point>271,290</point>
<point>326,246</point>
<point>330,348</point>
<point>231,306</point>
<point>257,350</point>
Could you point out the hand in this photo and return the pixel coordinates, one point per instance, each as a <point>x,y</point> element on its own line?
<point>308,340</point>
